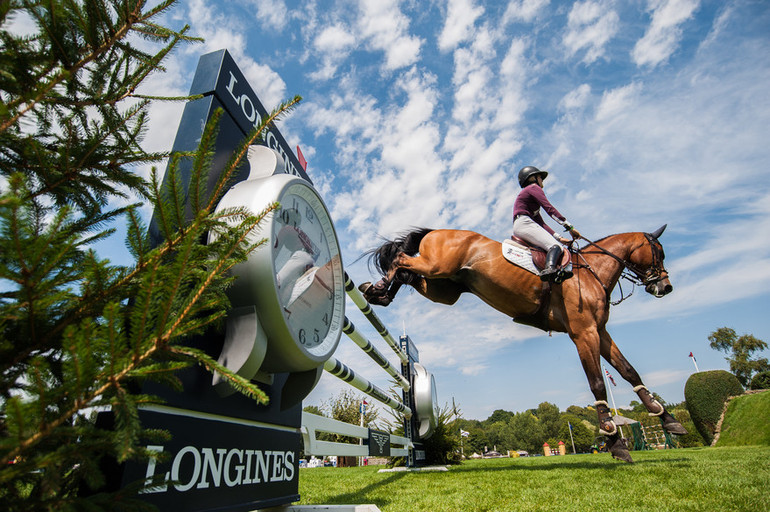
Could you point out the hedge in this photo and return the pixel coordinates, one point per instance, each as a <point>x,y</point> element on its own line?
<point>706,394</point>
<point>760,381</point>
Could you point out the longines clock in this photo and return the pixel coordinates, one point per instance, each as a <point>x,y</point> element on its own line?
<point>296,279</point>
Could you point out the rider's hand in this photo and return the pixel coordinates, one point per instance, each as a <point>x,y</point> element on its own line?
<point>575,233</point>
<point>565,241</point>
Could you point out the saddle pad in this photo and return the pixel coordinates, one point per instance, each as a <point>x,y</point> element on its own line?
<point>519,255</point>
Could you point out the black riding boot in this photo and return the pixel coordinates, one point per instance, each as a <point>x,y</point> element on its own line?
<point>551,263</point>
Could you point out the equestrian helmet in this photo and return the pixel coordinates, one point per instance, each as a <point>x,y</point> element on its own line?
<point>526,172</point>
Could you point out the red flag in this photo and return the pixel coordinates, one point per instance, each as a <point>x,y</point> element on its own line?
<point>365,402</point>
<point>693,357</point>
<point>301,158</point>
<point>610,377</point>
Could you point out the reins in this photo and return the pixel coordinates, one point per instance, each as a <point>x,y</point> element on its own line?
<point>630,272</point>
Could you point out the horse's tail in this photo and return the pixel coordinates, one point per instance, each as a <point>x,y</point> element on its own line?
<point>383,256</point>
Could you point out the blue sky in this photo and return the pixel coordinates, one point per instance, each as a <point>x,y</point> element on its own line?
<point>420,113</point>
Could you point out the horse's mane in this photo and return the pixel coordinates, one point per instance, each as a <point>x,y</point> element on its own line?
<point>407,242</point>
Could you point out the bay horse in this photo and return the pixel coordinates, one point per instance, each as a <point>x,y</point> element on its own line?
<point>443,264</point>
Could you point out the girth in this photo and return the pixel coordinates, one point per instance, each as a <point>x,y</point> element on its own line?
<point>539,318</point>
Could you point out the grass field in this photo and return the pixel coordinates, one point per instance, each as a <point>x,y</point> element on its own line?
<point>708,479</point>
<point>746,421</point>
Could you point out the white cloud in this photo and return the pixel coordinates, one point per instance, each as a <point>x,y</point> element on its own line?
<point>272,13</point>
<point>459,23</point>
<point>524,10</point>
<point>334,43</point>
<point>384,27</point>
<point>576,99</point>
<point>617,101</point>
<point>335,39</point>
<point>663,35</point>
<point>590,26</point>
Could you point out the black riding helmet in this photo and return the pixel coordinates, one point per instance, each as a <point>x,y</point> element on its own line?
<point>526,172</point>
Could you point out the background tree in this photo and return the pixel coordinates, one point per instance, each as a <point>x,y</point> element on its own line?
<point>582,436</point>
<point>346,407</point>
<point>528,432</point>
<point>740,350</point>
<point>77,332</point>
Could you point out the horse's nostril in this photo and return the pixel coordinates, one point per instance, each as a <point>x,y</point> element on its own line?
<point>668,289</point>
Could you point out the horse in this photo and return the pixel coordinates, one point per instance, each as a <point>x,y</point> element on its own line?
<point>443,264</point>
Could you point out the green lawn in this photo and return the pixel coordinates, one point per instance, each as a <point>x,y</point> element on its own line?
<point>729,478</point>
<point>746,421</point>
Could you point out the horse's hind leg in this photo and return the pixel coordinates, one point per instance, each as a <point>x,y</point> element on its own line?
<point>612,354</point>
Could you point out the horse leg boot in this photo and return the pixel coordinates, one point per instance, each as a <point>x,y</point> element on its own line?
<point>655,408</point>
<point>552,259</point>
<point>607,426</point>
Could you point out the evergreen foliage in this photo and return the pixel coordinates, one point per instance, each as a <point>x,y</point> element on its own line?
<point>77,333</point>
<point>706,394</point>
<point>443,446</point>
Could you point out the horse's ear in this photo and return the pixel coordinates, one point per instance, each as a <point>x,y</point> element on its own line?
<point>656,234</point>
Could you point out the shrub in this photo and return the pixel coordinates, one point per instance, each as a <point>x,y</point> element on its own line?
<point>760,381</point>
<point>706,394</point>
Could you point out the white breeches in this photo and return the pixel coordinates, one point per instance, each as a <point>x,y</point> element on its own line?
<point>527,229</point>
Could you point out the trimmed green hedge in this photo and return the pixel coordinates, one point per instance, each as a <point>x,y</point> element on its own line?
<point>760,381</point>
<point>706,394</point>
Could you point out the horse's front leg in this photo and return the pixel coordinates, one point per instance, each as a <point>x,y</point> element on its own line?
<point>383,291</point>
<point>612,354</point>
<point>587,342</point>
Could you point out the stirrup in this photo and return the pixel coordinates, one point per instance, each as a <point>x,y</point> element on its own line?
<point>549,274</point>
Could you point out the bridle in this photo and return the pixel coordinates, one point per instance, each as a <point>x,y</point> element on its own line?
<point>631,271</point>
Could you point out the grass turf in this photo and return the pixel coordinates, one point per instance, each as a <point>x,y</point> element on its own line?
<point>729,478</point>
<point>746,421</point>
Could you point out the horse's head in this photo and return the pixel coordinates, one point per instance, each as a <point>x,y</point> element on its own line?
<point>649,267</point>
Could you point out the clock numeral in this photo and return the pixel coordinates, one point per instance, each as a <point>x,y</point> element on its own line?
<point>316,336</point>
<point>326,319</point>
<point>302,337</point>
<point>309,215</point>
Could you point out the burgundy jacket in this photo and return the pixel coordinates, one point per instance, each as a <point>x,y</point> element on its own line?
<point>530,200</point>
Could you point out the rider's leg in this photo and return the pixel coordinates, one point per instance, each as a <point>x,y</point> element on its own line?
<point>527,229</point>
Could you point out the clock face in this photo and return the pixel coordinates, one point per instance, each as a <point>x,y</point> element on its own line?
<point>308,269</point>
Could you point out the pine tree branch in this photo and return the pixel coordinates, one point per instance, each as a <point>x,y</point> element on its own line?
<point>113,377</point>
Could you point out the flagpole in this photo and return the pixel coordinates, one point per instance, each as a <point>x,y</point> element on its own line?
<point>694,362</point>
<point>612,398</point>
<point>362,410</point>
<point>571,438</point>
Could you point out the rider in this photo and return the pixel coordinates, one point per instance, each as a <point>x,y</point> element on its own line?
<point>528,224</point>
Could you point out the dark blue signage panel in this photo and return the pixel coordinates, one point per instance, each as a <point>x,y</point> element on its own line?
<point>222,85</point>
<point>218,75</point>
<point>218,463</point>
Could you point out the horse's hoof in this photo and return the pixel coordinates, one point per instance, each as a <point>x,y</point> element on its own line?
<point>618,450</point>
<point>364,288</point>
<point>380,300</point>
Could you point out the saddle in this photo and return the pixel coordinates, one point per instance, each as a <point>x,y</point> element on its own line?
<point>532,258</point>
<point>529,257</point>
